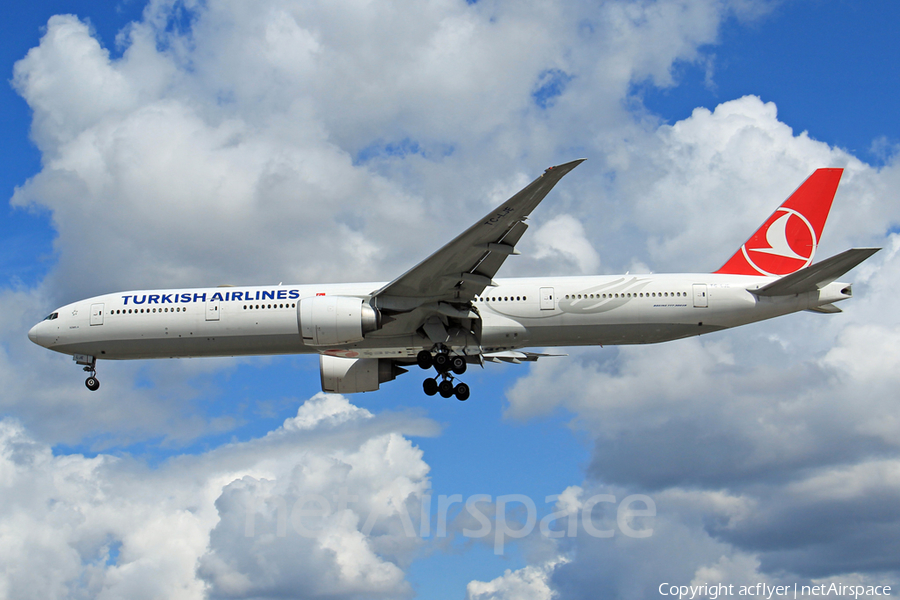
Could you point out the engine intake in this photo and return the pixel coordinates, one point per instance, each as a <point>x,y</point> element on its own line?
<point>335,320</point>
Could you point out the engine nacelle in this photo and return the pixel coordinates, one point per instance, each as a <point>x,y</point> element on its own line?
<point>335,320</point>
<point>351,375</point>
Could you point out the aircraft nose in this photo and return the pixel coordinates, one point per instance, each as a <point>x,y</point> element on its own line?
<point>39,335</point>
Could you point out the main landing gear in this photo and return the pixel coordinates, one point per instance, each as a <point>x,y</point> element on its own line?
<point>90,366</point>
<point>444,363</point>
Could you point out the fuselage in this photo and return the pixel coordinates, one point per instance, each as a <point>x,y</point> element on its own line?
<point>516,313</point>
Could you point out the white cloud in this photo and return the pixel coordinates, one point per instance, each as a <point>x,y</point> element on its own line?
<point>738,570</point>
<point>332,409</point>
<point>563,237</point>
<point>527,583</point>
<point>112,527</point>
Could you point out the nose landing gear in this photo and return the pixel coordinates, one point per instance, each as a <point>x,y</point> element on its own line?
<point>90,366</point>
<point>444,363</point>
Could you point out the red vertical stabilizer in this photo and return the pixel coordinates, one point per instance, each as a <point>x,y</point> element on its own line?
<point>787,241</point>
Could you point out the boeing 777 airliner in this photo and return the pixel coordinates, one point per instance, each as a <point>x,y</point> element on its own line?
<point>450,311</point>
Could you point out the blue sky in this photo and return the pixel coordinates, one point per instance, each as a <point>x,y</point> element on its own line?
<point>818,61</point>
<point>291,142</point>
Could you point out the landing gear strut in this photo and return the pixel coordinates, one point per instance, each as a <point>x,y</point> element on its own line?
<point>444,363</point>
<point>90,366</point>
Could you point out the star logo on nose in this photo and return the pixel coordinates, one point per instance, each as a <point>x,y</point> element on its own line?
<point>75,313</point>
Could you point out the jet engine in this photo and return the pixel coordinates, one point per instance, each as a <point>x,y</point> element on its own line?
<point>335,320</point>
<point>351,375</point>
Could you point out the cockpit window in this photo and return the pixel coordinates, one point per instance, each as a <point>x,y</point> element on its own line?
<point>50,317</point>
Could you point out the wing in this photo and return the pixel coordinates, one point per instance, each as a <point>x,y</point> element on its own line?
<point>461,269</point>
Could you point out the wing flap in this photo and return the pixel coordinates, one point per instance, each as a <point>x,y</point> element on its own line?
<point>515,356</point>
<point>825,309</point>
<point>818,275</point>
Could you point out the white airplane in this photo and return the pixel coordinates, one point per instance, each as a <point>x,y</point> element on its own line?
<point>449,311</point>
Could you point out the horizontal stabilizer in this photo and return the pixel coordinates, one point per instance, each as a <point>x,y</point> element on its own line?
<point>516,357</point>
<point>818,275</point>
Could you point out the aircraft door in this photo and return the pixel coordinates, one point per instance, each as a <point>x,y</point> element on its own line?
<point>212,310</point>
<point>97,314</point>
<point>701,299</point>
<point>547,298</point>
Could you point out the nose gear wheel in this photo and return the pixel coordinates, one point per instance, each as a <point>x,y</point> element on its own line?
<point>92,383</point>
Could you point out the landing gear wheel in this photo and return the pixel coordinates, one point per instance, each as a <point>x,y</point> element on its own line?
<point>92,383</point>
<point>446,388</point>
<point>442,362</point>
<point>423,359</point>
<point>462,392</point>
<point>430,386</point>
<point>458,364</point>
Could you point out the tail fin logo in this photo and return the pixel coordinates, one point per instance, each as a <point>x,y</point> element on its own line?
<point>789,244</point>
<point>787,241</point>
